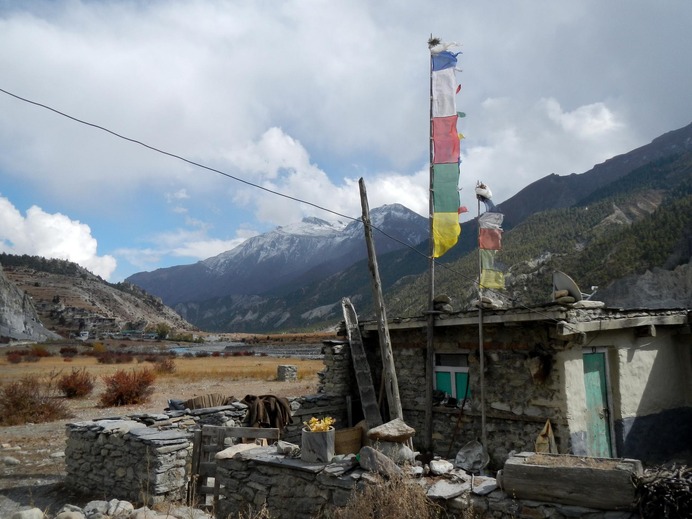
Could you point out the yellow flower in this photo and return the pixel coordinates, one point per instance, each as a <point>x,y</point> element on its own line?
<point>321,425</point>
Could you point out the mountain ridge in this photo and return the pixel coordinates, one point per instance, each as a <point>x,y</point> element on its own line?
<point>280,256</point>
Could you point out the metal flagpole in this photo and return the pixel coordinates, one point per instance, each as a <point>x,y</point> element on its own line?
<point>429,358</point>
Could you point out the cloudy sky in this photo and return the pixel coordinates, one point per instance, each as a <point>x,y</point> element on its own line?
<point>303,97</point>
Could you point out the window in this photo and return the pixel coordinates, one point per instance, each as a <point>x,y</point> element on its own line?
<point>452,374</point>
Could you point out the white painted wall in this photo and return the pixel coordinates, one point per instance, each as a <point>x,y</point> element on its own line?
<point>571,368</point>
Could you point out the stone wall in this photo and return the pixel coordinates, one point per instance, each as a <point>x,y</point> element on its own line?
<point>127,459</point>
<point>288,487</point>
<point>518,402</point>
<point>146,457</point>
<point>293,489</point>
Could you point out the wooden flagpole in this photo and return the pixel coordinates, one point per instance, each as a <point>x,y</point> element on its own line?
<point>429,351</point>
<point>481,353</point>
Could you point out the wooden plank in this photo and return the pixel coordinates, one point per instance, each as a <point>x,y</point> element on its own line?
<point>366,388</point>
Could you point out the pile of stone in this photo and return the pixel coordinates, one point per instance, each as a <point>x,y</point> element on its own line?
<point>116,509</point>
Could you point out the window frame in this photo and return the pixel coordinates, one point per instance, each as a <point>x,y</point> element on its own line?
<point>453,370</point>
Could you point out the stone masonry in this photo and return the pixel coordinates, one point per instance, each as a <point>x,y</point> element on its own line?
<point>147,457</point>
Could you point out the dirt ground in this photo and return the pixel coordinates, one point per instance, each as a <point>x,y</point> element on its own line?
<point>32,467</point>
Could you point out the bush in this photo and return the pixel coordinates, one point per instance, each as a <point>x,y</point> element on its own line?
<point>68,351</point>
<point>165,365</point>
<point>29,400</point>
<point>39,351</point>
<point>98,348</point>
<point>110,357</point>
<point>14,357</point>
<point>77,384</point>
<point>123,388</point>
<point>390,499</point>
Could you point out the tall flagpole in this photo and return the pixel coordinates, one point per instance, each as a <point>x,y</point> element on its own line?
<point>481,353</point>
<point>429,359</point>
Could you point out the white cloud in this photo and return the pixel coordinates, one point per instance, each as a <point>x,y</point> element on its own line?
<point>285,97</point>
<point>181,243</point>
<point>51,236</point>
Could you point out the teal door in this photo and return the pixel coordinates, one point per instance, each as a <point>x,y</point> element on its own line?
<point>597,423</point>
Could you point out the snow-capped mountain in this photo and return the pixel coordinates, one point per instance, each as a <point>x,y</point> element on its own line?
<point>290,254</point>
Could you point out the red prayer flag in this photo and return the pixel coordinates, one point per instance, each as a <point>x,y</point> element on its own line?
<point>490,239</point>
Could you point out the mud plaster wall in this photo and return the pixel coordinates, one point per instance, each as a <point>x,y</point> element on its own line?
<point>651,393</point>
<point>517,403</point>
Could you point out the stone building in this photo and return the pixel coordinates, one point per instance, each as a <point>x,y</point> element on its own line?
<point>612,382</point>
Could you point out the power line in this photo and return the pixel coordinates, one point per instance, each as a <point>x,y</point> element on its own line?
<point>251,184</point>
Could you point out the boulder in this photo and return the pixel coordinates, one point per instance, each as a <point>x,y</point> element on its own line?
<point>393,431</point>
<point>374,461</point>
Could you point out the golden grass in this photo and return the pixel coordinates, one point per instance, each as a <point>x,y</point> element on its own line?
<point>187,368</point>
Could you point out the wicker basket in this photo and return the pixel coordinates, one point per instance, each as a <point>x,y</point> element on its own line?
<point>348,441</point>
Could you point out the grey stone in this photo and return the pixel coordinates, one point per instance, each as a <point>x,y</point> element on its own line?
<point>374,461</point>
<point>397,452</point>
<point>70,515</point>
<point>444,489</point>
<point>117,508</point>
<point>146,513</point>
<point>439,467</point>
<point>31,513</point>
<point>485,486</point>
<point>393,431</point>
<point>94,507</point>
<point>9,460</point>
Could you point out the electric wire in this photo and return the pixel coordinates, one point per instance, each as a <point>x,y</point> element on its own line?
<point>271,191</point>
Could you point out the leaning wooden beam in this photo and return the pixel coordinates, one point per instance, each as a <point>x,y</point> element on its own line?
<point>389,371</point>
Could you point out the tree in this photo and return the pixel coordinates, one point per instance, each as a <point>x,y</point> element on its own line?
<point>162,330</point>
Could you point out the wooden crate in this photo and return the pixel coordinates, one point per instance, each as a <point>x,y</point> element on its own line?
<point>601,483</point>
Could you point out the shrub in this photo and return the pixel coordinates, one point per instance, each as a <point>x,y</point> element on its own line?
<point>390,499</point>
<point>77,384</point>
<point>39,351</point>
<point>98,348</point>
<point>165,365</point>
<point>29,400</point>
<point>123,388</point>
<point>31,358</point>
<point>14,357</point>
<point>110,357</point>
<point>68,351</point>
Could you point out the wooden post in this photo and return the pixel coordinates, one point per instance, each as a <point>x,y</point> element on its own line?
<point>389,371</point>
<point>430,342</point>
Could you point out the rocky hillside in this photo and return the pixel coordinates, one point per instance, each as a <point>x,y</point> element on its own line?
<point>68,299</point>
<point>18,317</point>
<point>632,239</point>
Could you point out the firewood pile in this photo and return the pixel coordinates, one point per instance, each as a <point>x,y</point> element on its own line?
<point>665,492</point>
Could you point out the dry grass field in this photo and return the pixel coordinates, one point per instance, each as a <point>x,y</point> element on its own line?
<point>36,477</point>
